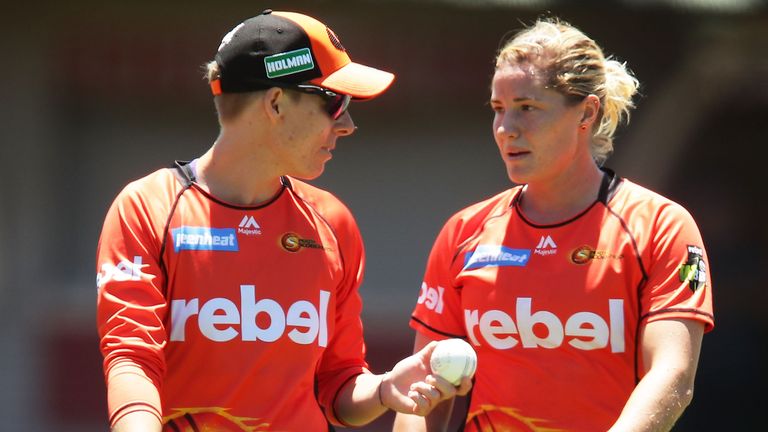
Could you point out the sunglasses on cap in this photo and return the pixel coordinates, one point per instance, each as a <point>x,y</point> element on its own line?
<point>335,104</point>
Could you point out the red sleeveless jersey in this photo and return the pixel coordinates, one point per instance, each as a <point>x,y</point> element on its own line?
<point>245,318</point>
<point>554,311</point>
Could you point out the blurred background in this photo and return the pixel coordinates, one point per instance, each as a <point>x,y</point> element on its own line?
<point>98,93</point>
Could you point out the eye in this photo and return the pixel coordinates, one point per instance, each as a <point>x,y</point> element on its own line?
<point>498,109</point>
<point>526,107</point>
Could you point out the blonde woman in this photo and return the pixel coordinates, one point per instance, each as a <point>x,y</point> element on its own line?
<point>584,294</point>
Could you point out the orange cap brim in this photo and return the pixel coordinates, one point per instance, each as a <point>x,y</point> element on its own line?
<point>358,81</point>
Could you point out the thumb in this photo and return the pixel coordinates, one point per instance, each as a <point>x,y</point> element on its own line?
<point>426,352</point>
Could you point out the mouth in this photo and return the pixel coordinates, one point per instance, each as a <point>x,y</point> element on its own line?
<point>327,151</point>
<point>516,154</point>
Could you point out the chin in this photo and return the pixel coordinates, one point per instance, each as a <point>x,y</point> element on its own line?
<point>309,175</point>
<point>516,177</point>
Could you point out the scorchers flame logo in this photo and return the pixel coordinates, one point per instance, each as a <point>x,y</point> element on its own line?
<point>293,243</point>
<point>210,420</point>
<point>489,418</point>
<point>585,254</point>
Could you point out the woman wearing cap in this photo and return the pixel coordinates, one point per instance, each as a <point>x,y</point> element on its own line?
<point>227,287</point>
<point>585,295</point>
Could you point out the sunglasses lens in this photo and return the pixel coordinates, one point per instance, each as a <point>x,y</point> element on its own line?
<point>338,105</point>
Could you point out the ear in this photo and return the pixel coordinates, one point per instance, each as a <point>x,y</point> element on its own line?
<point>273,103</point>
<point>591,110</point>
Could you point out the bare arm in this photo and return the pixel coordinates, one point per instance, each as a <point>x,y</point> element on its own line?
<point>408,388</point>
<point>438,418</point>
<point>670,352</point>
<point>131,389</point>
<point>140,421</point>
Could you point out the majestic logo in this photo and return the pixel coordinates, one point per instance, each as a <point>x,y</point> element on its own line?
<point>289,63</point>
<point>222,320</point>
<point>546,246</point>
<point>248,226</point>
<point>432,298</point>
<point>496,256</point>
<point>694,270</point>
<point>585,254</point>
<point>204,238</point>
<point>293,243</point>
<point>124,271</point>
<point>582,330</point>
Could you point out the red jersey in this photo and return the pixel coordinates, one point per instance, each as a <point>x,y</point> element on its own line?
<point>554,311</point>
<point>241,316</point>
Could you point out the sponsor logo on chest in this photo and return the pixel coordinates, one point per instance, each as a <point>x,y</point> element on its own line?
<point>496,256</point>
<point>583,330</point>
<point>204,238</point>
<point>222,319</point>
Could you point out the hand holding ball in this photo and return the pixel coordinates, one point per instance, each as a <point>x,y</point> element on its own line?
<point>453,359</point>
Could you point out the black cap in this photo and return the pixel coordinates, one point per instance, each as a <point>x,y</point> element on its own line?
<point>291,48</point>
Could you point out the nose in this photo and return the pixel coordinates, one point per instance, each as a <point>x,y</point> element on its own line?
<point>344,125</point>
<point>505,127</point>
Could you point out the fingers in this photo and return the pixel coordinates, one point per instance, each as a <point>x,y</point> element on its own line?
<point>426,395</point>
<point>446,389</point>
<point>464,387</point>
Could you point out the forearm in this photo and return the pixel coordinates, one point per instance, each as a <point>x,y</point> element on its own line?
<point>656,403</point>
<point>670,349</point>
<point>358,402</point>
<point>133,399</point>
<point>137,421</point>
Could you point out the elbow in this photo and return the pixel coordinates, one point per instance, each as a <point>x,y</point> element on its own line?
<point>686,396</point>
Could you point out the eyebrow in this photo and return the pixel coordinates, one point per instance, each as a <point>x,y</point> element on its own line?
<point>518,99</point>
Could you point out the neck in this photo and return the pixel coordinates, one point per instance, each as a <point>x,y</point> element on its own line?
<point>236,171</point>
<point>561,198</point>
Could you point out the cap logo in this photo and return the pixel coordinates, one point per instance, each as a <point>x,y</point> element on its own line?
<point>334,39</point>
<point>289,63</point>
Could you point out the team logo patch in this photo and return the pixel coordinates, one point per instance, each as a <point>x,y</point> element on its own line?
<point>204,238</point>
<point>496,256</point>
<point>293,243</point>
<point>694,270</point>
<point>585,254</point>
<point>289,63</point>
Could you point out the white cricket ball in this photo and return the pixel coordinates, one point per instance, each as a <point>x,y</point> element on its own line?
<point>453,359</point>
